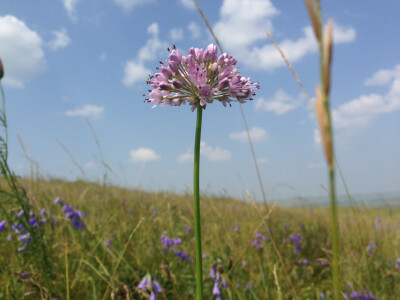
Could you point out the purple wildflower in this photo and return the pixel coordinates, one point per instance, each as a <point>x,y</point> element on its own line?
<point>145,283</point>
<point>398,263</point>
<point>202,77</point>
<point>20,214</point>
<point>157,286</point>
<point>296,240</point>
<point>75,216</point>
<point>24,274</point>
<point>2,225</point>
<point>258,240</point>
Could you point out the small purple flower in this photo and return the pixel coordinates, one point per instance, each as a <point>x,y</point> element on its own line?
<point>24,274</point>
<point>157,286</point>
<point>20,214</point>
<point>58,201</point>
<point>145,283</point>
<point>216,291</point>
<point>398,263</point>
<point>3,225</point>
<point>152,296</point>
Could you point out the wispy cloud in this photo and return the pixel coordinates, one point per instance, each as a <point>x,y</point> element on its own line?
<point>188,4</point>
<point>257,134</point>
<point>88,110</point>
<point>280,104</point>
<point>194,30</point>
<point>360,112</point>
<point>213,154</point>
<point>21,51</point>
<point>129,5</point>
<point>240,28</point>
<point>70,7</point>
<point>176,34</point>
<point>61,39</point>
<point>143,155</point>
<point>134,69</point>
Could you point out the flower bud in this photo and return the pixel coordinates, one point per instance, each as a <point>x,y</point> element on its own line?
<point>177,83</point>
<point>165,86</point>
<point>173,66</point>
<point>166,72</point>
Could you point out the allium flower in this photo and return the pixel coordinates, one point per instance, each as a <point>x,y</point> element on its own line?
<point>201,76</point>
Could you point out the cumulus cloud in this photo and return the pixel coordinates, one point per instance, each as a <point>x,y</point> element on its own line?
<point>61,39</point>
<point>143,155</point>
<point>213,154</point>
<point>134,69</point>
<point>88,110</point>
<point>188,4</point>
<point>359,112</point>
<point>176,34</point>
<point>241,28</point>
<point>257,134</point>
<point>128,5</point>
<point>70,5</point>
<point>21,51</point>
<point>280,104</point>
<point>194,30</point>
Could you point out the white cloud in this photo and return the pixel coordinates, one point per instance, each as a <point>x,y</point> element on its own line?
<point>103,56</point>
<point>61,39</point>
<point>194,30</point>
<point>21,51</point>
<point>88,110</point>
<point>188,4</point>
<point>213,154</point>
<point>257,134</point>
<point>128,5</point>
<point>134,72</point>
<point>242,22</point>
<point>186,157</point>
<point>241,26</point>
<point>281,103</point>
<point>317,137</point>
<point>143,155</point>
<point>70,5</point>
<point>359,112</point>
<point>134,69</point>
<point>383,77</point>
<point>176,34</point>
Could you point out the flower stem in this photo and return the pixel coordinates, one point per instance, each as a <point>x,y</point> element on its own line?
<point>196,193</point>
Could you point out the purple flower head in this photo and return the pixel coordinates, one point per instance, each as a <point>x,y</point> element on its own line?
<point>58,201</point>
<point>200,77</point>
<point>145,283</point>
<point>398,263</point>
<point>153,296</point>
<point>20,214</point>
<point>2,225</point>
<point>216,291</point>
<point>157,286</point>
<point>213,272</point>
<point>24,274</point>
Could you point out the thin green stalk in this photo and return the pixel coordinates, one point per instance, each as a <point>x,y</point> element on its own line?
<point>66,270</point>
<point>196,193</point>
<point>335,234</point>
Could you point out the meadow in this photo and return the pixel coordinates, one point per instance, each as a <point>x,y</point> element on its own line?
<point>119,236</point>
<point>92,240</point>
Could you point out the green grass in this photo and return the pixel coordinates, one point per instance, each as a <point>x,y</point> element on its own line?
<point>114,213</point>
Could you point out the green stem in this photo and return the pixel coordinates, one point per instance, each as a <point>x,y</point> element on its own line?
<point>335,235</point>
<point>196,193</point>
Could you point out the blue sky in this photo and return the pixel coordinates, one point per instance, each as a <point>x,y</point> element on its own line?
<point>68,60</point>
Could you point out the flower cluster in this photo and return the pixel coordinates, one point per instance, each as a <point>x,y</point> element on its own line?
<point>75,216</point>
<point>24,232</point>
<point>200,77</point>
<point>258,240</point>
<point>296,240</point>
<point>214,275</point>
<point>169,244</point>
<point>151,286</point>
